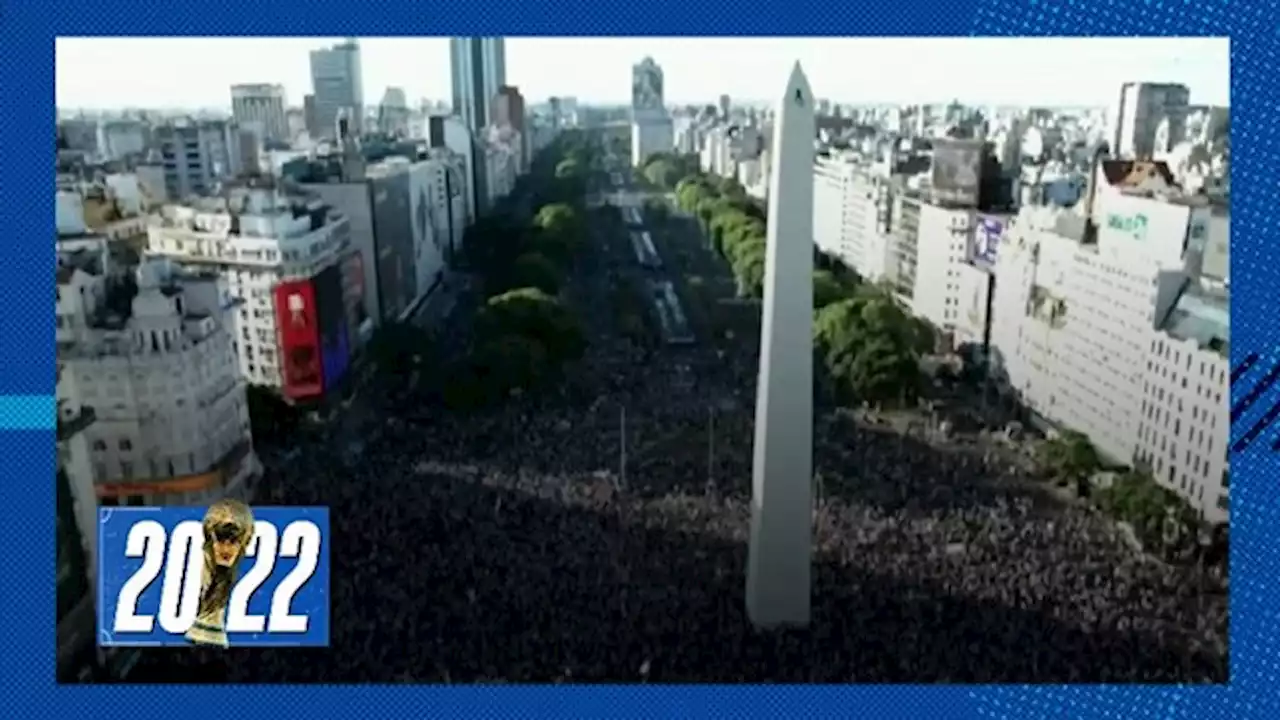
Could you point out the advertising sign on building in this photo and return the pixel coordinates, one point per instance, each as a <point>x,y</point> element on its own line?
<point>956,175</point>
<point>331,318</point>
<point>299,333</point>
<point>1134,225</point>
<point>987,231</point>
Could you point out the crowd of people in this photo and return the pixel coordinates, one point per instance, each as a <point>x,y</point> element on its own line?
<point>597,533</point>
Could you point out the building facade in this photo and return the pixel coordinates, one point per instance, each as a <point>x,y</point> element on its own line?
<point>337,88</point>
<point>478,69</point>
<point>255,237</point>
<point>196,155</point>
<point>171,421</point>
<point>1110,328</point>
<point>1142,108</point>
<point>261,108</point>
<point>850,215</point>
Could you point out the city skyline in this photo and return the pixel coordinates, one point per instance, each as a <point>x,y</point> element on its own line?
<point>1064,72</point>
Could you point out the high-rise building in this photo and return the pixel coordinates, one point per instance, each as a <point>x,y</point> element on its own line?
<point>1143,108</point>
<point>393,113</point>
<point>260,107</point>
<point>478,66</point>
<point>198,154</point>
<point>337,85</point>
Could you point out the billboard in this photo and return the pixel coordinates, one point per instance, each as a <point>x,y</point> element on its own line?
<point>353,295</point>
<point>298,333</point>
<point>956,174</point>
<point>393,245</point>
<point>331,317</point>
<point>987,230</point>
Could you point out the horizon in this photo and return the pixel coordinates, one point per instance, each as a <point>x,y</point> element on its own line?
<point>1013,72</point>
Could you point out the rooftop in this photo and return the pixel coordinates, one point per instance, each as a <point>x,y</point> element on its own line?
<point>1201,314</point>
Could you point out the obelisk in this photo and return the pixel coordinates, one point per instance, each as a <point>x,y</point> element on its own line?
<point>780,555</point>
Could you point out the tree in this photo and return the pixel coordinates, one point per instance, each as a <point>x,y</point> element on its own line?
<point>493,242</point>
<point>532,313</point>
<point>661,172</point>
<point>748,269</point>
<point>1070,457</point>
<point>827,289</point>
<point>1159,518</point>
<point>865,349</point>
<point>560,231</point>
<point>536,271</point>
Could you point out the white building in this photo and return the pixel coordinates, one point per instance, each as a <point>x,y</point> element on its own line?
<point>171,424</point>
<point>254,236</point>
<point>650,136</point>
<point>928,249</point>
<point>1111,331</point>
<point>850,215</point>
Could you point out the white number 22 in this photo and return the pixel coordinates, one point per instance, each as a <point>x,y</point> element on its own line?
<point>180,588</point>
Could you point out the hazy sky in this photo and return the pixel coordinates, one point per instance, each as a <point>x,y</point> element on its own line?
<point>196,72</point>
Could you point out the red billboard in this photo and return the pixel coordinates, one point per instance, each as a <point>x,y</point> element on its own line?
<point>298,330</point>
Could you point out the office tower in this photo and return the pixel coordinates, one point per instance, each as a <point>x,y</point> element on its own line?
<point>261,107</point>
<point>780,552</point>
<point>337,84</point>
<point>478,69</point>
<point>1143,106</point>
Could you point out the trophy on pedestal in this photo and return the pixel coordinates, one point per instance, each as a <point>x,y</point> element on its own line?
<point>228,529</point>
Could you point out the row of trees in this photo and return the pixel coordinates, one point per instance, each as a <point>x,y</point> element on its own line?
<point>869,346</point>
<point>519,255</point>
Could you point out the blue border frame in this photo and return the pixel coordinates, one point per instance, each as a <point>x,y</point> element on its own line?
<point>28,30</point>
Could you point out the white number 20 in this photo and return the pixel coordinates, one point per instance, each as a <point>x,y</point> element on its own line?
<point>180,587</point>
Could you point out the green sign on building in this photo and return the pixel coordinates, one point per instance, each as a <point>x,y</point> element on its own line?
<point>1135,225</point>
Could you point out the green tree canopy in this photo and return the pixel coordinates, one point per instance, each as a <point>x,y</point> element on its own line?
<point>533,313</point>
<point>865,345</point>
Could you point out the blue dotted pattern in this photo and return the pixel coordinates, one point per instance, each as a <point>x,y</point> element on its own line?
<point>28,29</point>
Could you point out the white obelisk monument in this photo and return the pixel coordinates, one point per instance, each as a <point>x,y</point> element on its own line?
<point>780,556</point>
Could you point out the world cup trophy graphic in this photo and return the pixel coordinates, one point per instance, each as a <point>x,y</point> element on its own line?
<point>228,529</point>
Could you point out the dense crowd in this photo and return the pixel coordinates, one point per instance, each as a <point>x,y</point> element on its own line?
<point>513,546</point>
